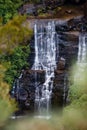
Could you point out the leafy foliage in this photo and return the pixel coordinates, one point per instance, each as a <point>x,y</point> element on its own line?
<point>15,62</point>
<point>6,103</point>
<point>13,33</point>
<point>78,90</point>
<point>8,9</point>
<point>14,52</point>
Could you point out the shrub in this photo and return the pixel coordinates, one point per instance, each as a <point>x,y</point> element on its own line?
<point>7,105</point>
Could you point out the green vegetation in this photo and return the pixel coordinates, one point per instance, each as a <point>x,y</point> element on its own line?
<point>7,105</point>
<point>14,37</point>
<point>74,116</point>
<point>15,62</point>
<point>14,51</point>
<point>14,33</point>
<point>78,91</point>
<point>8,9</point>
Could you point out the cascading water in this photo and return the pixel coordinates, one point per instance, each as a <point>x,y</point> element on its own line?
<point>82,53</point>
<point>82,57</point>
<point>16,86</point>
<point>45,59</point>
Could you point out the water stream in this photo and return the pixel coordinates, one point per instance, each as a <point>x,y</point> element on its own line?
<point>82,57</point>
<point>45,59</point>
<point>82,53</point>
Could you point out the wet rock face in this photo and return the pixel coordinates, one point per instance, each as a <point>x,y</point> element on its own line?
<point>60,87</point>
<point>26,92</point>
<point>61,64</point>
<point>58,98</point>
<point>68,49</point>
<point>75,24</point>
<point>68,55</point>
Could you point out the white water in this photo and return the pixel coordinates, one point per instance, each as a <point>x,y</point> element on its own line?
<point>82,57</point>
<point>82,53</point>
<point>45,59</point>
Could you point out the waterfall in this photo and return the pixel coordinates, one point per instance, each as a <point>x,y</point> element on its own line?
<point>45,59</point>
<point>82,53</point>
<point>82,57</point>
<point>16,86</point>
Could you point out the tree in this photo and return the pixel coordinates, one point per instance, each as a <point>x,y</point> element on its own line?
<point>8,8</point>
<point>14,33</point>
<point>7,105</point>
<point>16,62</point>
